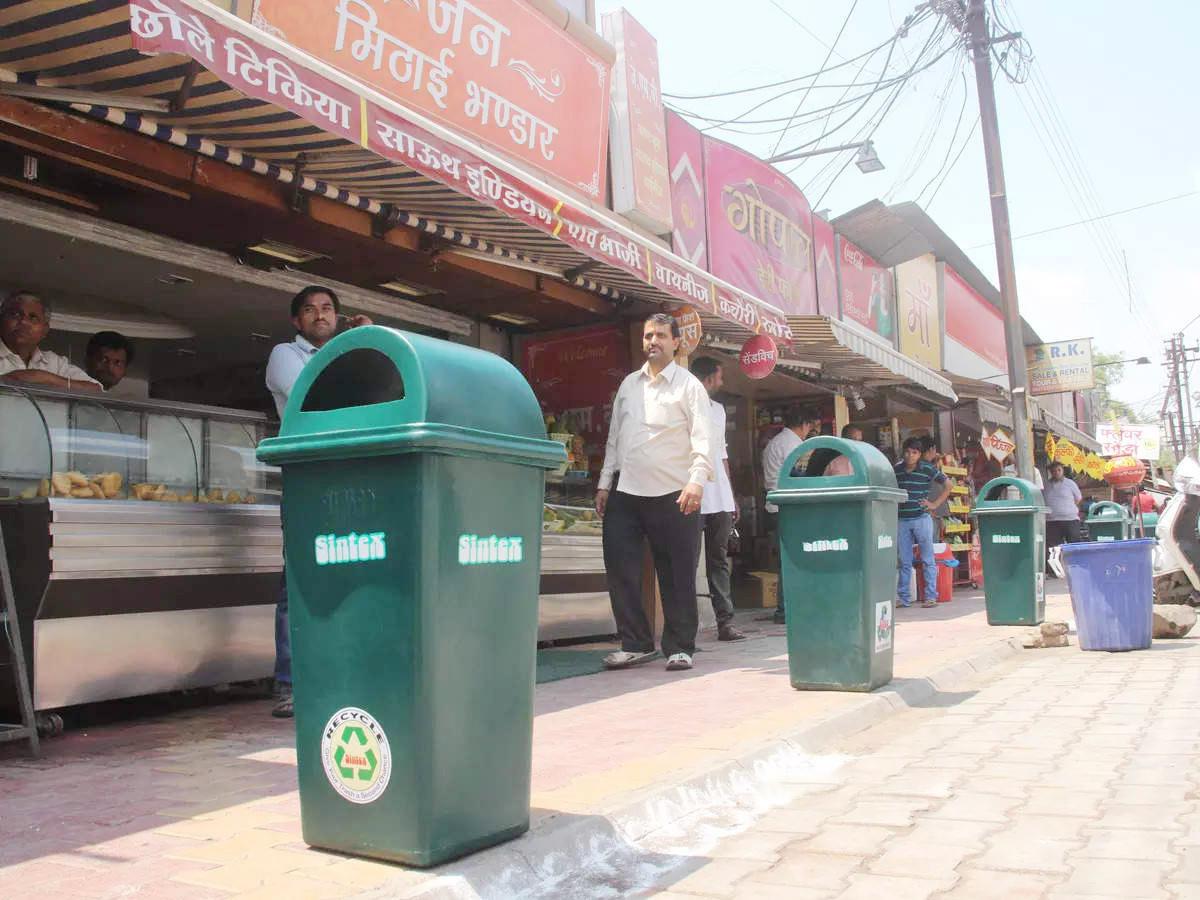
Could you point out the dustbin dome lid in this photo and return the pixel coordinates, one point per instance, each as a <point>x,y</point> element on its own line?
<point>871,473</point>
<point>993,496</point>
<point>1106,510</point>
<point>372,386</point>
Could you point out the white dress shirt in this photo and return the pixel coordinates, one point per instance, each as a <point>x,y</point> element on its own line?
<point>284,367</point>
<point>658,438</point>
<point>718,493</point>
<point>775,454</point>
<point>43,361</point>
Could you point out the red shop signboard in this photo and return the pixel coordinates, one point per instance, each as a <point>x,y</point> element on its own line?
<point>576,373</point>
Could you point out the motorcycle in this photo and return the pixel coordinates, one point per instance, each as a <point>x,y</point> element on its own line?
<point>1177,556</point>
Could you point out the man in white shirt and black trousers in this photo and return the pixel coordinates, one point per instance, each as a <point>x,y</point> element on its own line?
<point>718,509</point>
<point>315,314</point>
<point>656,465</point>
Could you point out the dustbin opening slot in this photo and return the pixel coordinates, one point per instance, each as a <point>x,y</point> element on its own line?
<point>814,464</point>
<point>1001,492</point>
<point>361,377</point>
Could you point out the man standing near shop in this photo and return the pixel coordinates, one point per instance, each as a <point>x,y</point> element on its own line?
<point>656,465</point>
<point>718,508</point>
<point>798,424</point>
<point>1063,497</point>
<point>315,312</point>
<point>916,476</point>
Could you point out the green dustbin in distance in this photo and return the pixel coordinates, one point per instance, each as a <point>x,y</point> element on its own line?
<point>1108,521</point>
<point>837,552</point>
<point>1149,524</point>
<point>1012,539</point>
<point>413,480</point>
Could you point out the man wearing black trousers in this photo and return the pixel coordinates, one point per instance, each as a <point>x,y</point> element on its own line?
<point>656,465</point>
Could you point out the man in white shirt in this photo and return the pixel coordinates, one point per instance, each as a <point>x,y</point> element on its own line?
<point>24,324</point>
<point>315,312</point>
<point>797,425</point>
<point>1063,497</point>
<point>656,464</point>
<point>718,509</point>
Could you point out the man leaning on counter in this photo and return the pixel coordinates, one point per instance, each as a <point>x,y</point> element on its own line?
<point>24,324</point>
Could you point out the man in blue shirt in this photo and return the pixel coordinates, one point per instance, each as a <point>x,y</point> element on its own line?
<point>916,476</point>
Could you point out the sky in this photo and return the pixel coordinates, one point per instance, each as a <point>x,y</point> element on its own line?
<point>1106,122</point>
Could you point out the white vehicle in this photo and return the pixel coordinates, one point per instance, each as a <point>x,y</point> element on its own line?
<point>1177,557</point>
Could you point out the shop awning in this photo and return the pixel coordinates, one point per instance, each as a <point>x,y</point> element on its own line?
<point>1061,429</point>
<point>275,110</point>
<point>845,352</point>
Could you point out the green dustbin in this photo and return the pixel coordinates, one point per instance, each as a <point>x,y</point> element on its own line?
<point>1149,524</point>
<point>837,553</point>
<point>413,480</point>
<point>1108,521</point>
<point>1012,538</point>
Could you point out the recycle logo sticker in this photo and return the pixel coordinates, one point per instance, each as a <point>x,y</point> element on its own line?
<point>356,755</point>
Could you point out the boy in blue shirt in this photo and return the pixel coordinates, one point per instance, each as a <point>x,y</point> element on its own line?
<point>916,476</point>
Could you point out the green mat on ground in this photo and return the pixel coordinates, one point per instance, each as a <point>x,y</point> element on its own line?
<point>554,664</point>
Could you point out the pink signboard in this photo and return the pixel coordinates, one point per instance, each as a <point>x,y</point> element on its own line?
<point>759,229</point>
<point>974,322</point>
<point>685,159</point>
<point>641,186</point>
<point>868,297</point>
<point>247,63</point>
<point>825,257</point>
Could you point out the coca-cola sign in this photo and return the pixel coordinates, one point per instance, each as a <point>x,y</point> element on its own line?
<point>759,356</point>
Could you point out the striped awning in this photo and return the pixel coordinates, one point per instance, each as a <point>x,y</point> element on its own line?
<point>1062,429</point>
<point>176,96</point>
<point>846,352</point>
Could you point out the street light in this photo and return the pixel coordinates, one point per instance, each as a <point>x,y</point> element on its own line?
<point>867,160</point>
<point>1140,361</point>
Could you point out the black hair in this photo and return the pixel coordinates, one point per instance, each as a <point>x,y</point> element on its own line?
<point>849,427</point>
<point>808,414</point>
<point>705,367</point>
<point>927,443</point>
<point>109,340</point>
<point>914,443</point>
<point>310,291</point>
<point>668,320</point>
<point>1055,462</point>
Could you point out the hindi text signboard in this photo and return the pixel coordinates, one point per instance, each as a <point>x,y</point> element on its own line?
<point>497,70</point>
<point>759,229</point>
<point>1138,441</point>
<point>685,157</point>
<point>919,311</point>
<point>641,184</point>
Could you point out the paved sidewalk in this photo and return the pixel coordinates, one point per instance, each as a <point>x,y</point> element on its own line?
<point>202,803</point>
<point>1074,775</point>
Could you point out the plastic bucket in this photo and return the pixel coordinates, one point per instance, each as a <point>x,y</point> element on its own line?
<point>946,564</point>
<point>1112,593</point>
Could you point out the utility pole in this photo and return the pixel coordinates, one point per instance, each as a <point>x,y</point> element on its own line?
<point>980,43</point>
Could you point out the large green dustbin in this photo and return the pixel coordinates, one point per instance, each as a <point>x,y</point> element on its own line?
<point>413,480</point>
<point>1108,521</point>
<point>837,553</point>
<point>1012,538</point>
<point>1149,523</point>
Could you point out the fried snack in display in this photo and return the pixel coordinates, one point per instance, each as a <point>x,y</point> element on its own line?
<point>61,484</point>
<point>233,497</point>
<point>78,479</point>
<point>110,483</point>
<point>43,488</point>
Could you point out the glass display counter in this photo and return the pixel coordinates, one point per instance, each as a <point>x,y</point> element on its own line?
<point>144,543</point>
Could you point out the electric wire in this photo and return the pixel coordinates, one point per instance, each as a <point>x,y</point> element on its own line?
<point>950,144</point>
<point>824,64</point>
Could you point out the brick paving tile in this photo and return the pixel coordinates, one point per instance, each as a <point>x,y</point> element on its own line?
<point>894,812</point>
<point>1128,844</point>
<point>849,840</point>
<point>977,884</point>
<point>973,806</point>
<point>1055,801</point>
<point>757,890</point>
<point>1189,872</point>
<point>720,877</point>
<point>819,870</point>
<point>921,859</point>
<point>1164,816</point>
<point>1117,878</point>
<point>1021,853</point>
<point>753,845</point>
<point>873,887</point>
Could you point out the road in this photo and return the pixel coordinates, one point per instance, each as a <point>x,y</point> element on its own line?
<point>1060,774</point>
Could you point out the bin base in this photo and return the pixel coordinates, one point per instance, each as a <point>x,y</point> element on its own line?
<point>1025,622</point>
<point>425,859</point>
<point>862,688</point>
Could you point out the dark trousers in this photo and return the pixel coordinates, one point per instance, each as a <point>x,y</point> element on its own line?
<point>717,527</point>
<point>675,545</point>
<point>1058,533</point>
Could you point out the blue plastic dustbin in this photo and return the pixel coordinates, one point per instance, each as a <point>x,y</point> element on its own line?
<point>1112,593</point>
